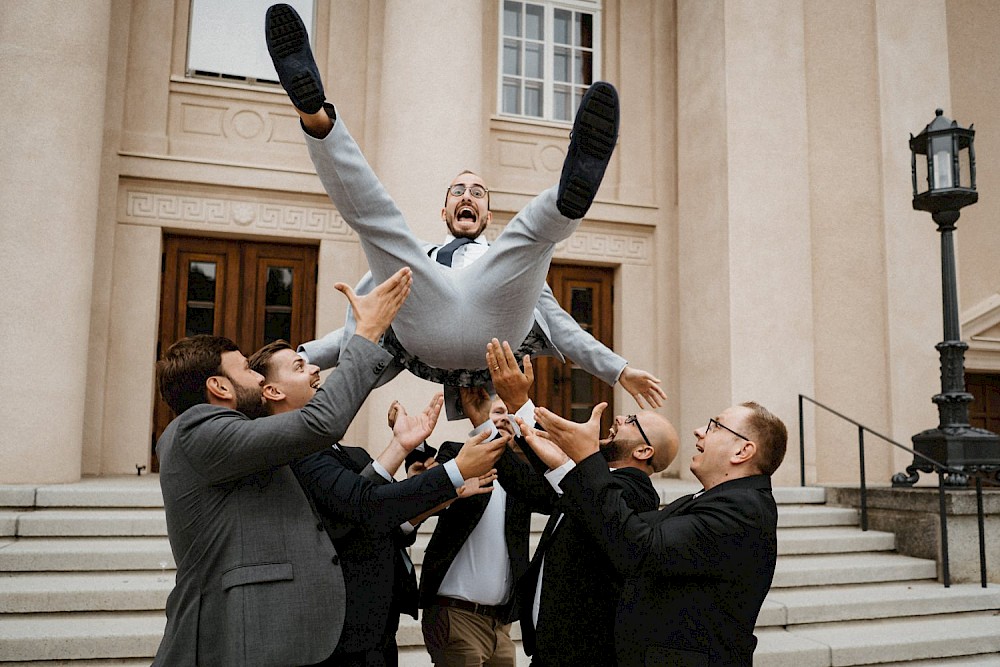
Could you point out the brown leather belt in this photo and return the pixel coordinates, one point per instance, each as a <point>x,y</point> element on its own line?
<point>499,612</point>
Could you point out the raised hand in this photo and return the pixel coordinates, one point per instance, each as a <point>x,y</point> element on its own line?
<point>420,467</point>
<point>475,404</point>
<point>511,384</point>
<point>642,385</point>
<point>477,457</point>
<point>578,441</point>
<point>411,430</point>
<point>478,485</point>
<point>374,311</point>
<point>547,451</point>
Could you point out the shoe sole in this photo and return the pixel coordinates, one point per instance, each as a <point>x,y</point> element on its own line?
<point>285,36</point>
<point>595,132</point>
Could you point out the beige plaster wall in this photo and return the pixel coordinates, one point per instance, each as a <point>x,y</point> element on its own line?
<point>703,210</point>
<point>131,353</point>
<point>47,232</point>
<point>848,240</point>
<point>974,69</point>
<point>912,52</point>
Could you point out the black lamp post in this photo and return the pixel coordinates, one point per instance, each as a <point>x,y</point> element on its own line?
<point>944,148</point>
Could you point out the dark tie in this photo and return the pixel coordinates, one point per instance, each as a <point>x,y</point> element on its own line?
<point>446,251</point>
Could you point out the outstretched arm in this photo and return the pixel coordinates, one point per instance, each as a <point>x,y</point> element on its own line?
<point>595,357</point>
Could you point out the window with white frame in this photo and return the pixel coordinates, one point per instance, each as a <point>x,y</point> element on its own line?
<point>549,55</point>
<point>226,39</point>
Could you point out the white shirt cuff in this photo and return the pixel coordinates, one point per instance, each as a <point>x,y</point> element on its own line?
<point>555,476</point>
<point>454,474</point>
<point>380,469</point>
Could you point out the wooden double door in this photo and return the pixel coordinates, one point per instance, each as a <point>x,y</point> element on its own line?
<point>252,293</point>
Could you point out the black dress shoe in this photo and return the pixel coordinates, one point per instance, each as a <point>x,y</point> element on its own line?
<point>288,44</point>
<point>595,132</point>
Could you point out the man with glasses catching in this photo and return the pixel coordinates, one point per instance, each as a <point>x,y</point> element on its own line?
<point>697,571</point>
<point>454,308</point>
<point>569,594</point>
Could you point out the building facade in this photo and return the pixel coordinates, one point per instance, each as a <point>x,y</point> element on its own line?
<point>754,227</point>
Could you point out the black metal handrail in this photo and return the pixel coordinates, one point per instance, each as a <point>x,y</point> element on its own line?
<point>939,468</point>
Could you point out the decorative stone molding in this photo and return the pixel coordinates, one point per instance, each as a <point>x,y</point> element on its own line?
<point>232,214</point>
<point>220,213</point>
<point>599,246</point>
<point>981,325</point>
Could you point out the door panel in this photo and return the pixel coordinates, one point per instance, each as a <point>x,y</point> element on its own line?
<point>585,292</point>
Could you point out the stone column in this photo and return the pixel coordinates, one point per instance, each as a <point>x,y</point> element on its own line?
<point>913,81</point>
<point>430,125</point>
<point>744,237</point>
<point>53,69</point>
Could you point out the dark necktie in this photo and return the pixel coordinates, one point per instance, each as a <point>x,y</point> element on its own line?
<point>446,251</point>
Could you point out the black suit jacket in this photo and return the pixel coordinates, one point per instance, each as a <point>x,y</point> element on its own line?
<point>361,511</point>
<point>580,587</point>
<point>696,572</point>
<point>456,523</point>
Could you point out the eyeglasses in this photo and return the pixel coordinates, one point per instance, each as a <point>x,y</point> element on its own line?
<point>476,191</point>
<point>709,429</point>
<point>632,419</point>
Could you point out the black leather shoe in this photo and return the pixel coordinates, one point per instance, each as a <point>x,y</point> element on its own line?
<point>288,44</point>
<point>595,132</point>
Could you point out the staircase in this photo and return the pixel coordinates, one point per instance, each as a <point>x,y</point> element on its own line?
<point>85,570</point>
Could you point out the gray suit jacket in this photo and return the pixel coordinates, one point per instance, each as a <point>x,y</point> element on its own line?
<point>561,332</point>
<point>258,580</point>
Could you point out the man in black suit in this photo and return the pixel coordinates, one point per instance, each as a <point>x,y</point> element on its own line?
<point>477,553</point>
<point>569,594</point>
<point>362,510</point>
<point>696,572</point>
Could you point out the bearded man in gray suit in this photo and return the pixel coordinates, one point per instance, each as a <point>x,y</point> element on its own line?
<point>258,580</point>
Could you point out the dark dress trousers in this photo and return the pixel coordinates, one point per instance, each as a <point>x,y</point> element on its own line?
<point>257,583</point>
<point>456,523</point>
<point>362,512</point>
<point>696,572</point>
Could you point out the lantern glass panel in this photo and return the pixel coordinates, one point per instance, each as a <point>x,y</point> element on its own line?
<point>965,169</point>
<point>941,155</point>
<point>920,164</point>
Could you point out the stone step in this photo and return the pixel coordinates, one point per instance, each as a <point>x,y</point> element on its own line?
<point>144,491</point>
<point>28,637</point>
<point>122,491</point>
<point>86,554</point>
<point>84,591</point>
<point>854,602</point>
<point>8,522</point>
<point>92,522</point>
<point>982,660</point>
<point>103,522</point>
<point>832,539</point>
<point>114,662</point>
<point>973,634</point>
<point>801,516</point>
<point>827,569</point>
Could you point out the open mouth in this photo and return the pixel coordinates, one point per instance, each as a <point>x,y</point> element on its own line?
<point>466,214</point>
<point>315,383</point>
